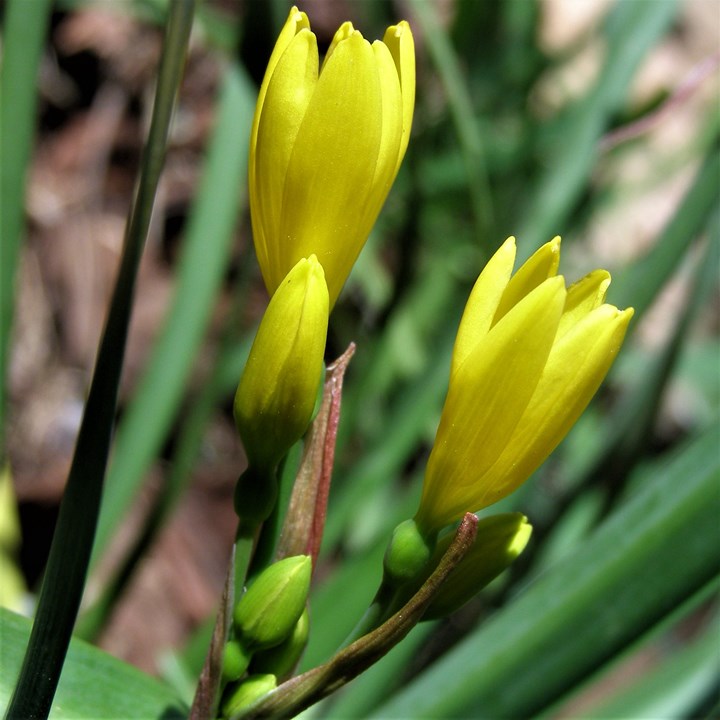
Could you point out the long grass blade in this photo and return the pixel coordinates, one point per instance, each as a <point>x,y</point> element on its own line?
<point>650,556</point>
<point>25,26</point>
<point>202,267</point>
<point>70,552</point>
<point>463,116</point>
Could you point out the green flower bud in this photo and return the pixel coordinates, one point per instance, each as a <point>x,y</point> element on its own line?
<point>281,659</point>
<point>246,693</point>
<point>500,539</point>
<point>235,661</point>
<point>268,612</point>
<point>277,392</point>
<point>407,554</point>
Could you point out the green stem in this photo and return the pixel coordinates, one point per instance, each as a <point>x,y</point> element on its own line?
<point>72,542</point>
<point>245,541</point>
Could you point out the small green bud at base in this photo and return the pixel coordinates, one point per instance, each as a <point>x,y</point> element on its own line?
<point>268,612</point>
<point>499,540</point>
<point>281,659</point>
<point>246,693</point>
<point>255,496</point>
<point>407,554</point>
<point>235,661</point>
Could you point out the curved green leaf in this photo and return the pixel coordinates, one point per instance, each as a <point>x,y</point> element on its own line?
<point>656,551</point>
<point>93,684</point>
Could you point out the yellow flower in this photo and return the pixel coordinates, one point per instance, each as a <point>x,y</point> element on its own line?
<point>326,145</point>
<point>277,392</point>
<point>529,355</point>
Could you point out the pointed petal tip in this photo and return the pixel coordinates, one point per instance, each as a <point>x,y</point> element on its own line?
<point>299,18</point>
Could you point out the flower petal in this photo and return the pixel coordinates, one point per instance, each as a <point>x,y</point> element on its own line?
<point>584,296</point>
<point>342,33</point>
<point>288,95</point>
<point>295,22</point>
<point>538,268</point>
<point>483,302</point>
<point>400,42</point>
<point>487,397</point>
<point>333,163</point>
<point>577,365</point>
<point>390,138</point>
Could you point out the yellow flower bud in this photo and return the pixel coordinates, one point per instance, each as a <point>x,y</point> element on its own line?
<point>529,355</point>
<point>326,145</point>
<point>277,392</point>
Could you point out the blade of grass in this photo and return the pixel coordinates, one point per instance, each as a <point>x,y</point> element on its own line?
<point>649,557</point>
<point>24,28</point>
<point>202,267</point>
<point>160,393</point>
<point>463,115</point>
<point>631,30</point>
<point>636,417</point>
<point>673,688</point>
<point>72,542</point>
<point>640,283</point>
<point>668,638</point>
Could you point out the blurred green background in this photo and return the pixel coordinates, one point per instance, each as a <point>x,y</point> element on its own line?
<point>595,120</point>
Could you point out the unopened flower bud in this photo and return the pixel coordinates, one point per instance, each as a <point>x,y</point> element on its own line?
<point>500,539</point>
<point>268,612</point>
<point>407,554</point>
<point>246,693</point>
<point>281,659</point>
<point>277,392</point>
<point>235,661</point>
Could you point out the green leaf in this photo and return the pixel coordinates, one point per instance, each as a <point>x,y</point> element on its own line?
<point>202,266</point>
<point>656,551</point>
<point>461,110</point>
<point>682,677</point>
<point>72,541</point>
<point>93,685</point>
<point>641,283</point>
<point>25,25</point>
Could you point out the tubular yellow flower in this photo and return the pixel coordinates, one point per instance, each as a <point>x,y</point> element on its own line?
<point>278,389</point>
<point>326,145</point>
<point>529,355</point>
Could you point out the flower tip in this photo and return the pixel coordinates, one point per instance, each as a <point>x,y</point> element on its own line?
<point>316,269</point>
<point>398,30</point>
<point>344,32</point>
<point>299,18</point>
<point>604,282</point>
<point>509,247</point>
<point>522,536</point>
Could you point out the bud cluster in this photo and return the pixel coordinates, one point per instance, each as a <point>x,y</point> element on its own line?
<point>327,142</point>
<point>270,629</point>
